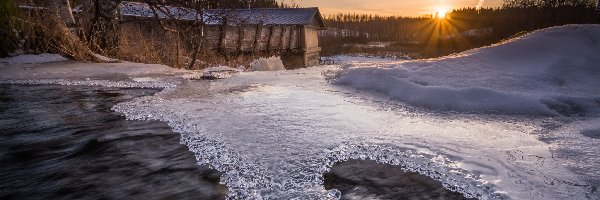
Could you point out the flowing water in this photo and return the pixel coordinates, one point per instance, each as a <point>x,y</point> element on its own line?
<point>64,142</point>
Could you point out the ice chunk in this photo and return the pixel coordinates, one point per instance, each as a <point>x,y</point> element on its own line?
<point>267,64</point>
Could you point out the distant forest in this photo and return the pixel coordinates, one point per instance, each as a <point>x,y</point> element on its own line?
<point>462,29</point>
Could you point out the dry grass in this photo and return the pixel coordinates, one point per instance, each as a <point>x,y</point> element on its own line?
<point>44,31</point>
<point>135,47</point>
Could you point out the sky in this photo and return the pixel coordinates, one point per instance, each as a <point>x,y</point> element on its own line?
<point>412,8</point>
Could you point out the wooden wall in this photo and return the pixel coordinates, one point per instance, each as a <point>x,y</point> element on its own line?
<point>146,39</point>
<point>253,38</point>
<point>246,38</point>
<point>311,37</point>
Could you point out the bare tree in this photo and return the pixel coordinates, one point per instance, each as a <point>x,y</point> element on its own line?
<point>54,20</point>
<point>96,28</point>
<point>98,25</point>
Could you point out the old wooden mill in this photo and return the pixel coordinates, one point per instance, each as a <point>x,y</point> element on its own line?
<point>291,33</point>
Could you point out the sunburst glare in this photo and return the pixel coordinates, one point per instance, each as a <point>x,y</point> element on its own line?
<point>441,13</point>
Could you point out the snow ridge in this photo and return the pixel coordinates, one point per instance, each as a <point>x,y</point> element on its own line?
<point>552,71</point>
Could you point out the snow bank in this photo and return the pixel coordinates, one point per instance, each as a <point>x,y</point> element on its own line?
<point>364,58</point>
<point>32,59</point>
<point>267,64</point>
<point>464,99</point>
<point>78,71</point>
<point>550,71</point>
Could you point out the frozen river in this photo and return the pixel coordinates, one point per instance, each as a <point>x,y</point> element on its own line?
<point>274,134</point>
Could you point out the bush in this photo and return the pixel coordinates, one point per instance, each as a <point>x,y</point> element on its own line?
<point>8,35</point>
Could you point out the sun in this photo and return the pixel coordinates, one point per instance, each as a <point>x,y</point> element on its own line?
<point>441,13</point>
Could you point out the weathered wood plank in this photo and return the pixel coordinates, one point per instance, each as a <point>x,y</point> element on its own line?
<point>270,44</point>
<point>223,38</point>
<point>241,35</point>
<point>249,38</point>
<point>291,39</point>
<point>258,35</point>
<point>282,39</point>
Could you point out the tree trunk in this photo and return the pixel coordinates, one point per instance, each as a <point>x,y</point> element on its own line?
<point>100,26</point>
<point>65,12</point>
<point>194,56</point>
<point>86,21</point>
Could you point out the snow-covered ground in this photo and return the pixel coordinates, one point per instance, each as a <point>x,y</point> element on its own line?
<point>513,121</point>
<point>361,60</point>
<point>549,72</point>
<point>32,59</point>
<point>41,68</point>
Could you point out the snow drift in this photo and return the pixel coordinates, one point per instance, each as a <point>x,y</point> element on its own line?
<point>548,72</point>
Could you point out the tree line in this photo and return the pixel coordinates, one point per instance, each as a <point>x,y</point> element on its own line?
<point>462,29</point>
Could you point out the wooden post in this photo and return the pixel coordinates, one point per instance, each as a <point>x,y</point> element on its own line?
<point>292,28</point>
<point>258,36</point>
<point>302,39</point>
<point>282,37</point>
<point>177,52</point>
<point>241,32</point>
<point>271,39</point>
<point>223,36</point>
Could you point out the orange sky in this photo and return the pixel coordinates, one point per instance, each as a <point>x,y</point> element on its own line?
<point>390,7</point>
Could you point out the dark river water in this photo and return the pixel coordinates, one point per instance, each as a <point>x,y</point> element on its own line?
<point>60,142</point>
<point>64,142</point>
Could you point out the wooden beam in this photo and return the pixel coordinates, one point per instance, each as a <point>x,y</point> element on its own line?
<point>282,38</point>
<point>258,38</point>
<point>302,39</point>
<point>223,36</point>
<point>292,28</point>
<point>269,46</point>
<point>241,32</point>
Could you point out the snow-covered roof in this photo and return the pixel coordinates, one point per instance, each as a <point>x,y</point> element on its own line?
<point>273,16</point>
<point>135,9</point>
<point>266,16</point>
